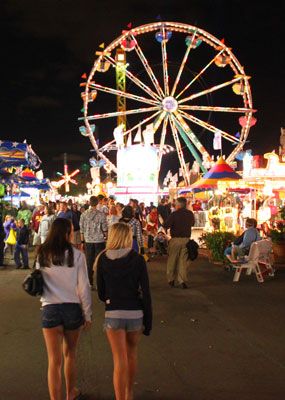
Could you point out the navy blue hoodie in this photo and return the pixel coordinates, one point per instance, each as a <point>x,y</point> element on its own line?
<point>123,284</point>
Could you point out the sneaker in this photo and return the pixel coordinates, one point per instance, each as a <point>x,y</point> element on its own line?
<point>171,283</point>
<point>27,267</point>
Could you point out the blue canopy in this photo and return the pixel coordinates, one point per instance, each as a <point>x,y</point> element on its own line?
<point>41,184</point>
<point>14,154</point>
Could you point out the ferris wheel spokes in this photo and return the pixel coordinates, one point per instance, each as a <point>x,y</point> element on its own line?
<point>137,81</point>
<point>193,138</point>
<point>162,141</point>
<point>127,112</point>
<point>188,49</point>
<point>212,89</point>
<point>164,63</point>
<point>148,68</point>
<point>200,73</point>
<point>157,95</point>
<point>189,144</point>
<point>123,94</point>
<point>158,121</point>
<point>210,127</point>
<point>216,109</point>
<point>179,151</point>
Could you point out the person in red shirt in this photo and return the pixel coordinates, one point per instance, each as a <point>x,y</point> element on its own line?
<point>35,223</point>
<point>197,206</point>
<point>151,227</point>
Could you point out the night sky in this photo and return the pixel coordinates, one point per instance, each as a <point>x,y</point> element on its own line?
<point>47,45</point>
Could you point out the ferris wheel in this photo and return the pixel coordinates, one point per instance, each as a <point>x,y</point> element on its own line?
<point>170,98</point>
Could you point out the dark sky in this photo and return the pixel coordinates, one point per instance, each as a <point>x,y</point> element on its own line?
<point>46,45</point>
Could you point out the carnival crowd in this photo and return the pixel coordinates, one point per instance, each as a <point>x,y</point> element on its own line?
<point>102,246</point>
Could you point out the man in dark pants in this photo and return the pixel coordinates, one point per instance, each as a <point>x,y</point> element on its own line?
<point>163,212</point>
<point>179,223</point>
<point>21,247</point>
<point>93,231</point>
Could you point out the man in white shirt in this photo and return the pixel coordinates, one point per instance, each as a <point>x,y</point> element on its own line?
<point>93,231</point>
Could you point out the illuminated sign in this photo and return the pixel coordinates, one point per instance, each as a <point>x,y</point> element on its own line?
<point>137,166</point>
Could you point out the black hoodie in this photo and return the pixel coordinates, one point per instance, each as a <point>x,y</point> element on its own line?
<point>123,285</point>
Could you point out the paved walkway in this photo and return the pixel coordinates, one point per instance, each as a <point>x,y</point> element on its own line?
<point>215,341</point>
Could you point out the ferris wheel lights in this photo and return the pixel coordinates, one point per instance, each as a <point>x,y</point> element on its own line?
<point>195,38</point>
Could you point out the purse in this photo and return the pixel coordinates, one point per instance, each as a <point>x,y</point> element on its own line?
<point>34,283</point>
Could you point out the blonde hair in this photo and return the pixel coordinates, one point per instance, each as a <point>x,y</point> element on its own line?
<point>120,236</point>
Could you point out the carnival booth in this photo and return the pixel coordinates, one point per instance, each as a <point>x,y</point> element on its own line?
<point>222,212</point>
<point>20,183</point>
<point>268,180</point>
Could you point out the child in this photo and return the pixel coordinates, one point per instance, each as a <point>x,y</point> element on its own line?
<point>21,247</point>
<point>160,242</point>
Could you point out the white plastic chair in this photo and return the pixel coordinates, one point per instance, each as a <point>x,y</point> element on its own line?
<point>259,253</point>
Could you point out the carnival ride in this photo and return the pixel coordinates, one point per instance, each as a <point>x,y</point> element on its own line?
<point>66,177</point>
<point>167,100</point>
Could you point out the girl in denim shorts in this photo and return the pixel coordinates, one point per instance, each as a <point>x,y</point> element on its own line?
<point>123,285</point>
<point>66,302</point>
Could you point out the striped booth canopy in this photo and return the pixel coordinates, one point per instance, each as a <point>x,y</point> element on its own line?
<point>221,171</point>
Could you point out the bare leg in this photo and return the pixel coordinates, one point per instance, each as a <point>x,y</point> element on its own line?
<point>132,347</point>
<point>69,352</point>
<point>53,339</point>
<point>117,340</point>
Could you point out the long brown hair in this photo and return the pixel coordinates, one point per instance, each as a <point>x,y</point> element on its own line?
<point>52,251</point>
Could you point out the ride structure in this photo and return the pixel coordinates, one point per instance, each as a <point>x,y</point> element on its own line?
<point>66,178</point>
<point>169,101</point>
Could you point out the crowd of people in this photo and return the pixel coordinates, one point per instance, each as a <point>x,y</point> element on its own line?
<point>102,245</point>
<point>29,226</point>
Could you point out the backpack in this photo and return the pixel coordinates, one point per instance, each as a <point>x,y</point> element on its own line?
<point>192,248</point>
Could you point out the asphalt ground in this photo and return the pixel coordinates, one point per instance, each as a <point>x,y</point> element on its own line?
<point>216,340</point>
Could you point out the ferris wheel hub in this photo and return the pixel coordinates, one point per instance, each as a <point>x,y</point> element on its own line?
<point>169,104</point>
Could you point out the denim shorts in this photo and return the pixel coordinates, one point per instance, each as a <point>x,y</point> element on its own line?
<point>128,325</point>
<point>69,315</point>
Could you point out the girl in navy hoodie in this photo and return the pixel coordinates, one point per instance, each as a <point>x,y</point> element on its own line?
<point>123,285</point>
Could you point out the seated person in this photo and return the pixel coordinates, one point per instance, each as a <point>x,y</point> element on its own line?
<point>160,242</point>
<point>241,246</point>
